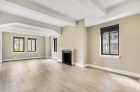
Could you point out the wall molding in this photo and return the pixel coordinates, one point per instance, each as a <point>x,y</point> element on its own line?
<point>24,58</point>
<point>132,74</point>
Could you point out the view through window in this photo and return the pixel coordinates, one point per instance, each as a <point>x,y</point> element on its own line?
<point>110,40</point>
<point>18,44</point>
<point>31,45</point>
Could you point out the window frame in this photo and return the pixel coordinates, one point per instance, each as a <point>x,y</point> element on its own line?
<point>31,44</point>
<point>109,30</point>
<point>55,42</point>
<point>19,44</point>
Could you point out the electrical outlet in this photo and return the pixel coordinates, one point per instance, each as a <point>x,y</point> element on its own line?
<point>94,63</point>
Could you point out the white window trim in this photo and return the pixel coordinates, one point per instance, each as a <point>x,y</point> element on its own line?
<point>110,56</point>
<point>18,52</point>
<point>106,56</point>
<point>31,51</point>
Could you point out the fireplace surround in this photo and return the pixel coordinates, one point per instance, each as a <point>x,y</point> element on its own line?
<point>67,56</point>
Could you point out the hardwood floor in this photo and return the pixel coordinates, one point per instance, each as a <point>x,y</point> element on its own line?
<point>47,75</point>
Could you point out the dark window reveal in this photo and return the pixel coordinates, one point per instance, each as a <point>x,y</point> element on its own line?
<point>55,44</point>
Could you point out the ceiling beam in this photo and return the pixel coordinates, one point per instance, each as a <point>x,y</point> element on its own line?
<point>94,6</point>
<point>48,17</point>
<point>22,31</point>
<point>118,12</point>
<point>10,19</point>
<point>27,29</point>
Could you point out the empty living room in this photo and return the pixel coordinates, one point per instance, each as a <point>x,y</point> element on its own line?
<point>69,45</point>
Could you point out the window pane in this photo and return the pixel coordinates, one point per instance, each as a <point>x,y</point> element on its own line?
<point>16,44</point>
<point>21,45</point>
<point>115,35</point>
<point>114,43</point>
<point>105,43</point>
<point>29,45</point>
<point>33,45</point>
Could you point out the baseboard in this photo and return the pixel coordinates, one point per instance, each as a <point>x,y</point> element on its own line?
<point>24,58</point>
<point>54,57</point>
<point>80,65</point>
<point>137,75</point>
<point>59,60</point>
<point>48,56</point>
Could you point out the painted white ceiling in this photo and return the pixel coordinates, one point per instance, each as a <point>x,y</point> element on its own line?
<point>33,12</point>
<point>60,13</point>
<point>73,9</point>
<point>112,3</point>
<point>132,7</point>
<point>70,8</point>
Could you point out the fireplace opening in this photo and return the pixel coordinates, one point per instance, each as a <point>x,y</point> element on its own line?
<point>67,57</point>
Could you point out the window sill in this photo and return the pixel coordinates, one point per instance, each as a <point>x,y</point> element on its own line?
<point>18,52</point>
<point>32,52</point>
<point>110,56</point>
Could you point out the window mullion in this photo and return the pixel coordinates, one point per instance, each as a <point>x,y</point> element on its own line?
<point>31,45</point>
<point>19,45</point>
<point>102,43</point>
<point>35,45</point>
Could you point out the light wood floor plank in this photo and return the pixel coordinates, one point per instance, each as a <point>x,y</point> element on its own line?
<point>48,75</point>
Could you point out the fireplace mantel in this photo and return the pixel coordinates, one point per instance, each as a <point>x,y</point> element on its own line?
<point>72,55</point>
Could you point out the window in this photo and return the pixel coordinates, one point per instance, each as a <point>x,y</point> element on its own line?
<point>31,45</point>
<point>55,44</point>
<point>18,44</point>
<point>110,40</point>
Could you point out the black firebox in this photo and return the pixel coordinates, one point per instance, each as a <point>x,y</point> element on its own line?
<point>67,57</point>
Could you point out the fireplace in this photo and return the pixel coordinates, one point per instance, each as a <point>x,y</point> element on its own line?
<point>67,56</point>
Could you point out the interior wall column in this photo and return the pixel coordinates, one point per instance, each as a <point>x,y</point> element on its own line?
<point>47,46</point>
<point>0,45</point>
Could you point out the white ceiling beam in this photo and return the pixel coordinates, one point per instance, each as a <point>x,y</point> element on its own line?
<point>49,17</point>
<point>28,32</point>
<point>8,20</point>
<point>94,6</point>
<point>29,28</point>
<point>118,12</point>
<point>21,31</point>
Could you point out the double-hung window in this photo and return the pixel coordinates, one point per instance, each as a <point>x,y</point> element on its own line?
<point>110,40</point>
<point>31,45</point>
<point>18,44</point>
